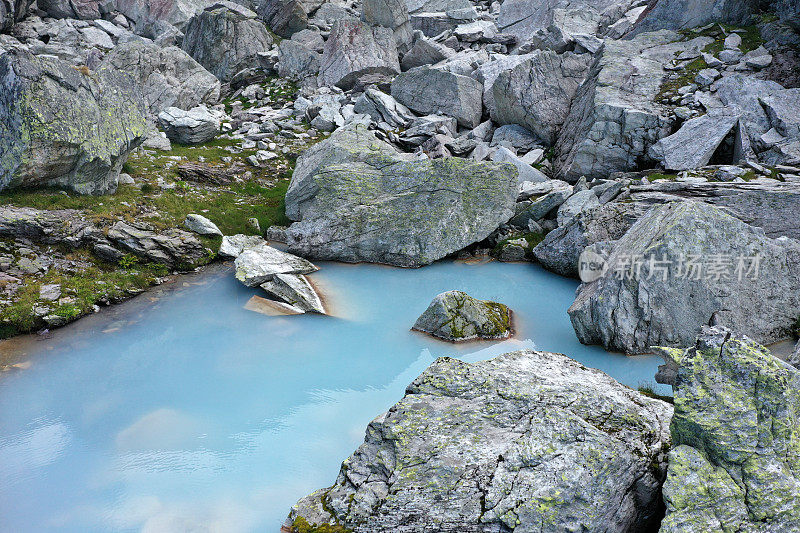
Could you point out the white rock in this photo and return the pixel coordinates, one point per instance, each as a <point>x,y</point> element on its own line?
<point>254,266</point>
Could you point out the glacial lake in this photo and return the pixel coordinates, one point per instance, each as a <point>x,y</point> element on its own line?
<point>180,410</point>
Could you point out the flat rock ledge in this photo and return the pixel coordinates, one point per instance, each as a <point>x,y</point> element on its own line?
<point>457,316</point>
<point>529,441</point>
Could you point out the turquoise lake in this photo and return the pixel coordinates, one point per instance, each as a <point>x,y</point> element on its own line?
<point>182,411</point>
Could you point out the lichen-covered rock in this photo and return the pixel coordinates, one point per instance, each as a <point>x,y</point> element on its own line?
<point>168,76</point>
<point>396,211</point>
<point>201,225</point>
<point>614,118</point>
<point>355,49</point>
<point>537,92</point>
<point>65,126</point>
<point>457,316</point>
<point>683,265</point>
<point>349,144</point>
<point>527,441</point>
<point>226,38</point>
<point>12,11</point>
<point>736,461</point>
<point>428,90</point>
<point>256,265</point>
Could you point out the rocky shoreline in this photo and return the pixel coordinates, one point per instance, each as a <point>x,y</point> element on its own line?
<point>650,149</point>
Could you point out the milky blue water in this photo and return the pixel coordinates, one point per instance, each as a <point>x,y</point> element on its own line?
<point>183,411</point>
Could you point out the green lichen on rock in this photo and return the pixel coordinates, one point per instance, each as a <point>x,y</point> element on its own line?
<point>736,466</point>
<point>65,126</point>
<point>527,441</point>
<point>356,199</point>
<point>457,316</point>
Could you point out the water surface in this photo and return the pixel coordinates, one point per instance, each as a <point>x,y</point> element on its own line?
<point>182,411</point>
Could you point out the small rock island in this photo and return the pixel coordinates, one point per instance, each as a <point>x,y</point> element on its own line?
<point>456,316</point>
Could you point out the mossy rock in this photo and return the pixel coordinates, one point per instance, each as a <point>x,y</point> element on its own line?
<point>457,316</point>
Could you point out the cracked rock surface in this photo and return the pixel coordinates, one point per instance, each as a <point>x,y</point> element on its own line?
<point>529,441</point>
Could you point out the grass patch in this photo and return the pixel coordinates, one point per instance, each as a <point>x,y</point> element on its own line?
<point>660,176</point>
<point>101,282</point>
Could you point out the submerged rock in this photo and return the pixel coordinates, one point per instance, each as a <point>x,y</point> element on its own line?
<point>457,316</point>
<point>295,290</point>
<point>254,266</point>
<point>65,126</point>
<point>532,441</point>
<point>405,213</point>
<point>683,265</point>
<point>735,465</point>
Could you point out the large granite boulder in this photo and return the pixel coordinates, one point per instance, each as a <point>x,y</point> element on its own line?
<point>488,72</point>
<point>735,465</point>
<point>457,316</point>
<point>685,14</point>
<point>614,118</point>
<point>431,91</point>
<point>348,144</point>
<point>284,17</point>
<point>168,76</point>
<point>386,209</point>
<point>788,11</point>
<point>65,126</point>
<point>527,441</point>
<point>355,50</point>
<point>562,19</point>
<point>226,38</point>
<point>537,92</point>
<point>683,265</point>
<point>296,62</point>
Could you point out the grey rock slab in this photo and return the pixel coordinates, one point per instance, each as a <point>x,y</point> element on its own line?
<point>428,90</point>
<point>525,171</point>
<point>255,266</point>
<point>695,142</point>
<point>234,245</point>
<point>174,248</point>
<point>668,299</point>
<point>574,205</point>
<point>348,144</point>
<point>528,441</point>
<point>284,17</point>
<point>683,14</point>
<point>295,290</point>
<point>457,316</point>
